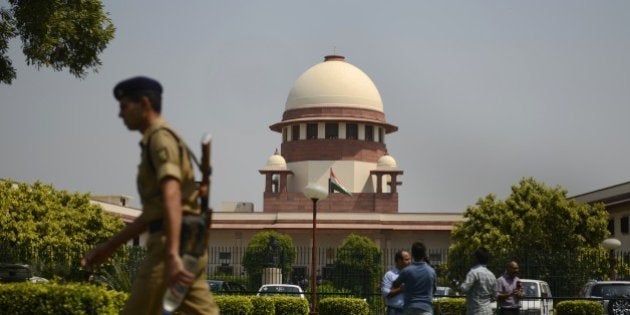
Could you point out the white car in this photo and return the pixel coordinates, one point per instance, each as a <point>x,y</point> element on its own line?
<point>281,289</point>
<point>537,299</point>
<point>614,295</point>
<point>443,292</point>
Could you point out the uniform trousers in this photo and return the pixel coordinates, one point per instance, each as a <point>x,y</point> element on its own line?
<point>149,286</point>
<point>509,311</point>
<point>394,311</point>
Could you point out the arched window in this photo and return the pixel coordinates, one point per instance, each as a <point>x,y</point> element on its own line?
<point>352,131</point>
<point>332,131</point>
<point>369,133</point>
<point>311,131</point>
<point>295,132</point>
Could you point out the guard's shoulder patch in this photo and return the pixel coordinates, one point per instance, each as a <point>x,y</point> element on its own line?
<point>162,155</point>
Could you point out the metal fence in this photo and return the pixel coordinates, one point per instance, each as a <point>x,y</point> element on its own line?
<point>226,263</point>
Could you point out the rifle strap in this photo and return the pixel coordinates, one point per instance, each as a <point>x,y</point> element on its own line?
<point>181,143</point>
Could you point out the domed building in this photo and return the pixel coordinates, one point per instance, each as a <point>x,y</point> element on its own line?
<point>333,131</point>
<point>333,128</point>
<point>333,123</point>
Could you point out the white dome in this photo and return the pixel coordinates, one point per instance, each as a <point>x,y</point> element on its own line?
<point>386,161</point>
<point>334,83</point>
<point>276,161</point>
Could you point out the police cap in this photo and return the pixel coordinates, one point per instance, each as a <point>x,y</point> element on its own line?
<point>133,86</point>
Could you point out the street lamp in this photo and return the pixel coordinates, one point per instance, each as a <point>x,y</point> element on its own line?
<point>611,244</point>
<point>315,193</point>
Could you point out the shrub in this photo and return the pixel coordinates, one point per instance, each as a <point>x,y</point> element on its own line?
<point>343,306</point>
<point>452,306</point>
<point>290,305</point>
<point>29,298</point>
<point>579,308</point>
<point>234,305</point>
<point>263,305</point>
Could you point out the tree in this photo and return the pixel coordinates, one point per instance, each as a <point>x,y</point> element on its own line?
<point>359,261</point>
<point>551,237</point>
<point>50,229</point>
<point>55,33</point>
<point>268,249</point>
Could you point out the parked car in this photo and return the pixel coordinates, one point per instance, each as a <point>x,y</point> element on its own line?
<point>18,273</point>
<point>444,292</point>
<point>281,289</point>
<point>614,295</point>
<point>537,299</point>
<point>225,286</point>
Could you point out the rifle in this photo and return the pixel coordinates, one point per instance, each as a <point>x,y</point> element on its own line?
<point>206,172</point>
<point>194,233</point>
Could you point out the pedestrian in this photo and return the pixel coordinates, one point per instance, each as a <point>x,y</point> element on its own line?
<point>509,290</point>
<point>479,286</point>
<point>419,280</point>
<point>394,298</point>
<point>167,191</point>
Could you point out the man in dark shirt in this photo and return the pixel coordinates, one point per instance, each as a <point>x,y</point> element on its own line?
<point>420,280</point>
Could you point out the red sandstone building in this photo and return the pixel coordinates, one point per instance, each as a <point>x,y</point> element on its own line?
<point>334,119</point>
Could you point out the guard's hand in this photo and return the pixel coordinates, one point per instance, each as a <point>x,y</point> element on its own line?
<point>176,272</point>
<point>97,256</point>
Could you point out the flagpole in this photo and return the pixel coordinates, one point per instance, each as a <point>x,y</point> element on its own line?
<point>330,191</point>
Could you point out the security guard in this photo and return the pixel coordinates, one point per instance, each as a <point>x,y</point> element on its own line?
<point>167,191</point>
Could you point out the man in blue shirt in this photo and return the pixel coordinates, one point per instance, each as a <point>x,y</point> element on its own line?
<point>394,299</point>
<point>419,280</point>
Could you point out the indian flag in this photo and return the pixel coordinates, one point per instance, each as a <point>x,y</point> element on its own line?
<point>335,185</point>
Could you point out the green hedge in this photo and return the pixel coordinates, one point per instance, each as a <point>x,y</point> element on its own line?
<point>343,306</point>
<point>234,304</point>
<point>85,299</point>
<point>578,308</point>
<point>451,306</point>
<point>258,305</point>
<point>71,299</point>
<point>263,305</point>
<point>290,305</point>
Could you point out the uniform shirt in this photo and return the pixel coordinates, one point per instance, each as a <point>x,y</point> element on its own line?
<point>169,158</point>
<point>480,289</point>
<point>506,285</point>
<point>419,279</point>
<point>397,300</point>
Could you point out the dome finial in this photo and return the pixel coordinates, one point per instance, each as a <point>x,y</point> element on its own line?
<point>334,58</point>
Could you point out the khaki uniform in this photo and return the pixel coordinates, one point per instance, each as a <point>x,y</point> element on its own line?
<point>168,158</point>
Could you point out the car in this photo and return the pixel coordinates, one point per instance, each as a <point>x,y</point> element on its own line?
<point>225,286</point>
<point>18,273</point>
<point>614,295</point>
<point>281,289</point>
<point>537,299</point>
<point>444,292</point>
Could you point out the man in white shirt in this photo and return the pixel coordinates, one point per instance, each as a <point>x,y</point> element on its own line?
<point>480,286</point>
<point>394,298</point>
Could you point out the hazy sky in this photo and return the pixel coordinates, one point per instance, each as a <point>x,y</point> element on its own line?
<point>483,92</point>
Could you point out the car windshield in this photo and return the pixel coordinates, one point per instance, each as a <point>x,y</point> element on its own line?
<point>442,291</point>
<point>279,289</point>
<point>530,289</point>
<point>611,290</point>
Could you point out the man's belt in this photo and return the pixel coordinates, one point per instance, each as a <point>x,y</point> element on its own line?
<point>157,225</point>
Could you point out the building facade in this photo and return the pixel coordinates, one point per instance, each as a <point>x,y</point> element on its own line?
<point>333,123</point>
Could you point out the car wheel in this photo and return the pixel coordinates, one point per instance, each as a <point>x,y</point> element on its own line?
<point>619,307</point>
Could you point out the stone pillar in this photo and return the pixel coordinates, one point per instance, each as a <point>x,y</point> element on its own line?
<point>272,276</point>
